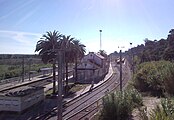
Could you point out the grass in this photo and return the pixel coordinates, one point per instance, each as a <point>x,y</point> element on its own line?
<point>74,88</point>
<point>78,87</point>
<point>9,71</point>
<point>49,92</point>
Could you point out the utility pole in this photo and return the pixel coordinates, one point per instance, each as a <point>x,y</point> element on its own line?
<point>100,40</point>
<point>60,78</point>
<point>29,73</point>
<point>54,72</point>
<point>120,70</point>
<point>23,68</point>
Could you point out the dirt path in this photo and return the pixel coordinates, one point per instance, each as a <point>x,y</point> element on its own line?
<point>149,103</point>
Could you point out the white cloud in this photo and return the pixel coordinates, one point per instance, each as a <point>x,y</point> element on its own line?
<point>21,42</point>
<point>21,37</point>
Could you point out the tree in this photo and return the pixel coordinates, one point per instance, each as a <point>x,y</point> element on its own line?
<point>73,50</point>
<point>66,45</point>
<point>46,47</point>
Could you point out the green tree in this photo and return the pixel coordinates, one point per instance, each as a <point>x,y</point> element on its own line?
<point>46,47</point>
<point>66,45</point>
<point>73,50</point>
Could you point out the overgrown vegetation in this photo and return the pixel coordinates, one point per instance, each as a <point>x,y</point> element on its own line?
<point>119,106</point>
<point>155,77</point>
<point>153,74</point>
<point>155,50</point>
<point>8,70</point>
<point>165,111</point>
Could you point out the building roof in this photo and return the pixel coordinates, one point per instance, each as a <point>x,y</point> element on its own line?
<point>93,64</point>
<point>21,91</point>
<point>100,56</point>
<point>46,69</point>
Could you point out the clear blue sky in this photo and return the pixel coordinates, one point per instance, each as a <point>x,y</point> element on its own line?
<point>22,22</point>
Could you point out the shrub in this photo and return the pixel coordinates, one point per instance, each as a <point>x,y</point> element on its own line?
<point>119,106</point>
<point>155,77</point>
<point>168,107</point>
<point>158,114</point>
<point>163,112</point>
<point>168,76</point>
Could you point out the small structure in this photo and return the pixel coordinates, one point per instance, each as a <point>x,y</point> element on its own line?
<point>19,99</point>
<point>46,71</point>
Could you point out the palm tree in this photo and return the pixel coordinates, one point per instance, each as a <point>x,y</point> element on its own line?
<point>79,53</point>
<point>46,47</point>
<point>67,45</point>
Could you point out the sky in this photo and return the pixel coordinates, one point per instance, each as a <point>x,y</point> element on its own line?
<point>23,22</point>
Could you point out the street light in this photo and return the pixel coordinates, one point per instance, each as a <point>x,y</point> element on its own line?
<point>132,58</point>
<point>100,39</point>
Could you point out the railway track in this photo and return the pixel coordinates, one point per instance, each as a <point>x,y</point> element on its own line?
<point>94,106</point>
<point>75,105</point>
<point>85,105</point>
<point>88,104</point>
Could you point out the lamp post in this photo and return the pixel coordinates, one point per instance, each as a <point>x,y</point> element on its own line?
<point>132,59</point>
<point>100,39</point>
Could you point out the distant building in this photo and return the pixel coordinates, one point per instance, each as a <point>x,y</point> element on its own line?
<point>19,99</point>
<point>46,71</point>
<point>92,67</point>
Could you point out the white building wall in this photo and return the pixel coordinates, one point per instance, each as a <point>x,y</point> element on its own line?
<point>18,104</point>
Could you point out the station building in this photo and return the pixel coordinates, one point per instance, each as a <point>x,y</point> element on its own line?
<point>93,67</point>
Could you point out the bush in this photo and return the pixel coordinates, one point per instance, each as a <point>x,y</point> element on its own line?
<point>155,77</point>
<point>168,76</point>
<point>119,106</point>
<point>158,114</point>
<point>166,112</point>
<point>168,107</point>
